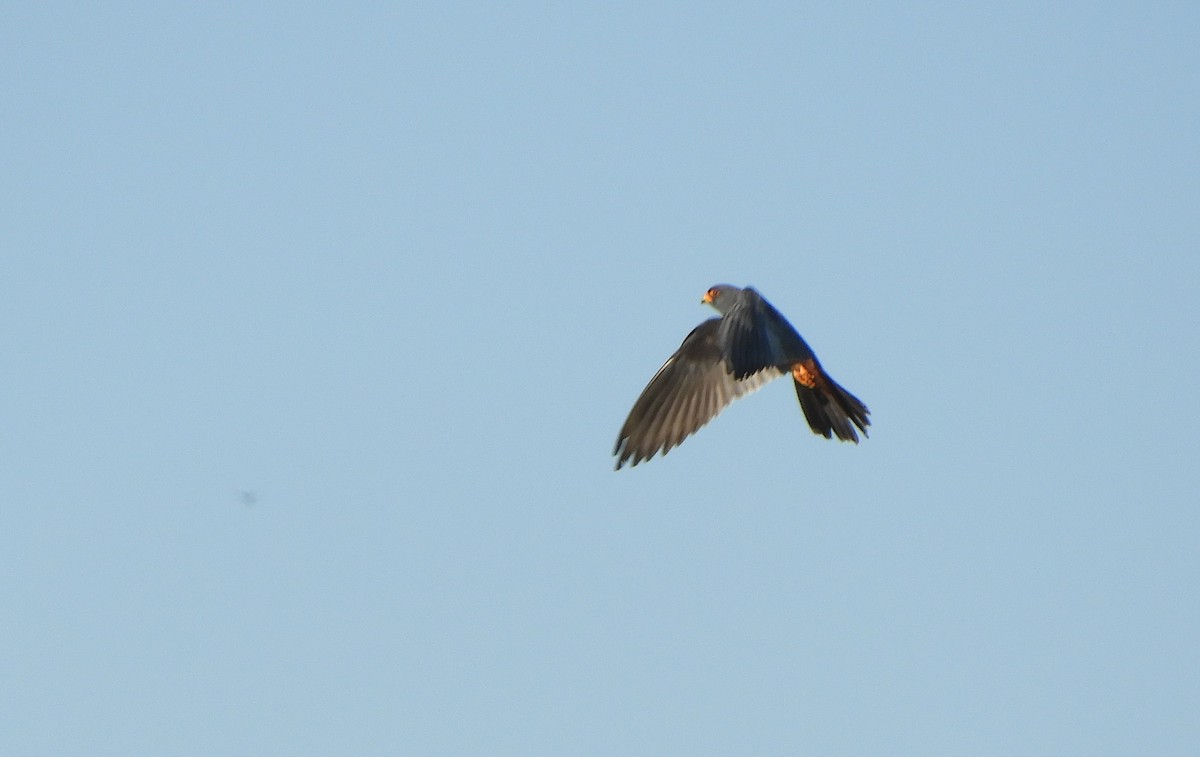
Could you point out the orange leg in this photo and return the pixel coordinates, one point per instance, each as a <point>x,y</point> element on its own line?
<point>805,374</point>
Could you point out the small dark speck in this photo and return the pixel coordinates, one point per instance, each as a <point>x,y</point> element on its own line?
<point>249,499</point>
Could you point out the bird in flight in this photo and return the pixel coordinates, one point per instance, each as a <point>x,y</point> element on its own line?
<point>726,358</point>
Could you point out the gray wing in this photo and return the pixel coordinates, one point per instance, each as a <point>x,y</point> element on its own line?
<point>756,337</point>
<point>690,389</point>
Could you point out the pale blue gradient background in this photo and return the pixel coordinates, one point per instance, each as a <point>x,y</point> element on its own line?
<point>401,270</point>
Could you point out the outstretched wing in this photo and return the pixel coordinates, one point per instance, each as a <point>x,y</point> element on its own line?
<point>756,337</point>
<point>691,388</point>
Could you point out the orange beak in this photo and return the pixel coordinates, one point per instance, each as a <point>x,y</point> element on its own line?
<point>706,299</point>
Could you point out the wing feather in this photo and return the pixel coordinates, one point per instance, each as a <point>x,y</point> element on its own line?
<point>756,336</point>
<point>691,388</point>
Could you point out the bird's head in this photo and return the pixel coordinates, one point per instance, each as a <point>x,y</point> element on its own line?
<point>721,296</point>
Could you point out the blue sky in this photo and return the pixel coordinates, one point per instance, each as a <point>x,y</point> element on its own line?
<point>401,270</point>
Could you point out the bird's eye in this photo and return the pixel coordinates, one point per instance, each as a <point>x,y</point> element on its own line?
<point>712,293</point>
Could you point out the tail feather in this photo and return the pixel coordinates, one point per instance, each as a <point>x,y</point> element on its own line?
<point>830,409</point>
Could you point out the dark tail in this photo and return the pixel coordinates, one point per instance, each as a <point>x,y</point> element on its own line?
<point>830,409</point>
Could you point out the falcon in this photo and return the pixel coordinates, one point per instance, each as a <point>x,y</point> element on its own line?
<point>726,358</point>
